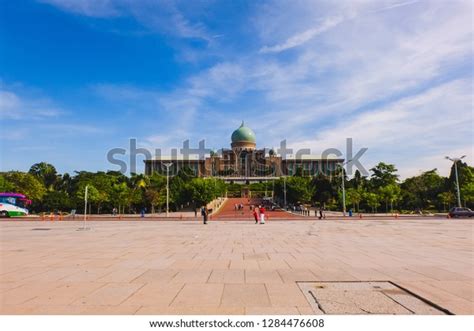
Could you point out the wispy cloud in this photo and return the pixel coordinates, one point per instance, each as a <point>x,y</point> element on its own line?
<point>14,107</point>
<point>304,36</point>
<point>426,125</point>
<point>160,16</point>
<point>357,11</point>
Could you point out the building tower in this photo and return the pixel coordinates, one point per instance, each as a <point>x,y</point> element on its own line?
<point>243,145</point>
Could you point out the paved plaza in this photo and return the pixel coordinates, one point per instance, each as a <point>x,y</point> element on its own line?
<point>226,267</point>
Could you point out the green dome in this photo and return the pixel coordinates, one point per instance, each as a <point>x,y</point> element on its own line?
<point>243,134</point>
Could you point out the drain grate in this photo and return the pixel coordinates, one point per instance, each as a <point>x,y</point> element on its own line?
<point>40,229</point>
<point>371,297</point>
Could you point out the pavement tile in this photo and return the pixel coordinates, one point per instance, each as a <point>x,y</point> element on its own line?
<point>286,295</point>
<point>21,294</point>
<point>156,276</point>
<point>65,294</point>
<point>245,295</point>
<point>192,276</point>
<point>262,276</point>
<point>111,294</point>
<point>227,276</point>
<point>199,295</point>
<point>154,294</point>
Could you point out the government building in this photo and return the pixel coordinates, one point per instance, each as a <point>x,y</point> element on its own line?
<point>243,162</point>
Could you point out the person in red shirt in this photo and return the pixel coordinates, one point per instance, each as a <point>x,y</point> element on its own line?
<point>255,214</point>
<point>262,214</point>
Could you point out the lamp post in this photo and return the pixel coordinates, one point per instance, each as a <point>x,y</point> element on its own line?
<point>86,191</point>
<point>343,186</point>
<point>284,191</point>
<point>455,161</point>
<point>343,179</point>
<point>167,165</point>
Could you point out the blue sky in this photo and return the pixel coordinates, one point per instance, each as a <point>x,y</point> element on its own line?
<point>80,77</point>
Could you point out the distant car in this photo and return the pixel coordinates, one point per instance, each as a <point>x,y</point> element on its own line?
<point>461,212</point>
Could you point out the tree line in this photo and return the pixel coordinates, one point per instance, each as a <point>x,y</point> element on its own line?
<point>381,191</point>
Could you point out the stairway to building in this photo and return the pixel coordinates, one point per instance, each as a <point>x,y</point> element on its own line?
<point>228,210</point>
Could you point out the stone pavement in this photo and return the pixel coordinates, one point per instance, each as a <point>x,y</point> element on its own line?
<point>225,267</point>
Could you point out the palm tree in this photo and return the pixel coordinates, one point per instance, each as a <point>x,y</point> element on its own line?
<point>46,173</point>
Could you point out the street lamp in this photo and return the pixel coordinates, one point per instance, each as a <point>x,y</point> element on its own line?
<point>167,165</point>
<point>284,191</point>
<point>455,161</point>
<point>343,179</point>
<point>86,191</point>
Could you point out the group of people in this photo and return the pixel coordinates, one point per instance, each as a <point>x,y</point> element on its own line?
<point>259,214</point>
<point>238,207</point>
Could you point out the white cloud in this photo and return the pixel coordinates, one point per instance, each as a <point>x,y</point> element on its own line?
<point>304,36</point>
<point>427,126</point>
<point>162,16</point>
<point>14,107</point>
<point>95,8</point>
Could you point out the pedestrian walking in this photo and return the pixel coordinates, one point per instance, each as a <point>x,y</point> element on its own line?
<point>255,214</point>
<point>262,214</point>
<point>204,214</point>
<point>321,212</point>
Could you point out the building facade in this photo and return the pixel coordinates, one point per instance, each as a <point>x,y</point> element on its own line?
<point>243,162</point>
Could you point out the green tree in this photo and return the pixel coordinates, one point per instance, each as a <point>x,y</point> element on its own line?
<point>26,184</point>
<point>354,197</point>
<point>56,200</point>
<point>421,192</point>
<point>155,193</point>
<point>383,174</point>
<point>202,191</point>
<point>298,189</point>
<point>120,196</point>
<point>46,173</point>
<point>446,198</point>
<point>390,194</point>
<point>467,193</point>
<point>372,200</point>
<point>92,195</point>
<point>5,185</point>
<point>322,188</point>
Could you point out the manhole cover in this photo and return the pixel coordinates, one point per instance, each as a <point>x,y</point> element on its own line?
<point>41,229</point>
<point>378,297</point>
